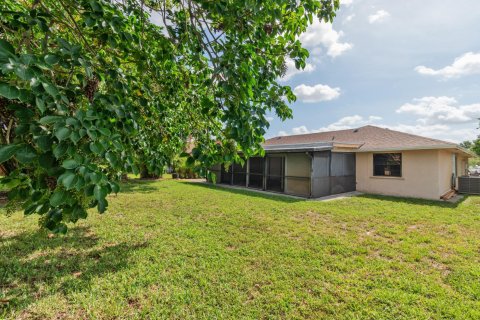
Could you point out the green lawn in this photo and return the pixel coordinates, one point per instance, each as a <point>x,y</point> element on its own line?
<point>169,249</point>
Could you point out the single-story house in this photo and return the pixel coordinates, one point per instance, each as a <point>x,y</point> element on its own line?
<point>367,159</point>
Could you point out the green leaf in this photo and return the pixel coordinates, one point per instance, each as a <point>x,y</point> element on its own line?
<point>115,187</point>
<point>44,143</point>
<point>24,72</point>
<point>112,158</point>
<point>69,180</point>
<point>58,198</point>
<point>89,190</point>
<point>26,154</point>
<point>70,164</point>
<point>75,137</point>
<point>6,49</point>
<point>50,119</point>
<point>79,213</point>
<point>93,134</point>
<point>31,209</point>
<point>25,96</point>
<point>72,122</point>
<point>46,160</point>
<point>63,133</point>
<point>99,192</point>
<point>80,183</point>
<point>60,149</point>
<point>40,103</point>
<point>102,205</point>
<point>190,161</point>
<point>96,147</point>
<point>9,91</point>
<point>51,59</point>
<point>213,177</point>
<point>95,177</point>
<point>135,169</point>
<point>105,131</point>
<point>7,151</point>
<point>51,89</point>
<point>61,229</point>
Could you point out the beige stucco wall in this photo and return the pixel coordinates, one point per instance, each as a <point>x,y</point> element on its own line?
<point>445,170</point>
<point>462,165</point>
<point>425,174</point>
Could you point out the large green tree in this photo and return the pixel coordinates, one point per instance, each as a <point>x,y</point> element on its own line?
<point>472,145</point>
<point>90,89</point>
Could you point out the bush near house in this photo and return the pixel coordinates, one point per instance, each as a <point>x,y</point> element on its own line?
<point>183,170</point>
<point>173,249</point>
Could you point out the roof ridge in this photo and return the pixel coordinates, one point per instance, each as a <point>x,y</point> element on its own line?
<point>313,133</point>
<point>412,135</point>
<point>365,126</point>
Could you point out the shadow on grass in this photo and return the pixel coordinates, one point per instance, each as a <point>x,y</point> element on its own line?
<point>140,186</point>
<point>244,191</point>
<point>33,266</point>
<point>415,201</point>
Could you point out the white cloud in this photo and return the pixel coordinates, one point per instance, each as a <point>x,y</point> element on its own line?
<point>441,110</point>
<point>346,3</point>
<point>269,119</point>
<point>436,131</point>
<point>348,18</point>
<point>466,64</point>
<point>316,93</point>
<point>300,130</point>
<point>379,16</point>
<point>448,132</point>
<point>349,122</point>
<point>322,35</point>
<point>293,71</point>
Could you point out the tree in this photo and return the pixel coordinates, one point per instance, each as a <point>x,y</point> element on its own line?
<point>91,89</point>
<point>466,144</point>
<point>476,146</point>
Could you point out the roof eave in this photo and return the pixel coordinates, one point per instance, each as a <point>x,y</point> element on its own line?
<point>300,147</point>
<point>435,147</point>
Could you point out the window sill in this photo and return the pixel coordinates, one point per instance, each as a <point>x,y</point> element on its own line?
<point>387,177</point>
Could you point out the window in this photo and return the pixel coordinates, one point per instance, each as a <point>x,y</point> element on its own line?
<point>239,174</point>
<point>387,164</point>
<point>255,178</point>
<point>276,169</point>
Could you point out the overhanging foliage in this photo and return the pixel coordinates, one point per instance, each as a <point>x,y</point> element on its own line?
<point>91,89</point>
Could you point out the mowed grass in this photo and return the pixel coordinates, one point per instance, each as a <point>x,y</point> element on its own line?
<point>170,249</point>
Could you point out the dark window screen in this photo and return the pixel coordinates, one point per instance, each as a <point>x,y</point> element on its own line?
<point>255,179</point>
<point>226,176</point>
<point>275,174</point>
<point>387,164</point>
<point>239,174</point>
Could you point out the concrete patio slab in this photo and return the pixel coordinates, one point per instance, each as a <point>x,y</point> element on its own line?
<point>338,196</point>
<point>326,198</point>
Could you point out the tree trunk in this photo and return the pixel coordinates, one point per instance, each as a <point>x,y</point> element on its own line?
<point>145,174</point>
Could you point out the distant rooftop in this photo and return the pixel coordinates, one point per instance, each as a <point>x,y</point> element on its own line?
<point>370,138</point>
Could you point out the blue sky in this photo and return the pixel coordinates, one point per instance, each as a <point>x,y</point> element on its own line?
<point>408,65</point>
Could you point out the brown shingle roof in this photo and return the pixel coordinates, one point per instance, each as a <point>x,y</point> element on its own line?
<point>370,138</point>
